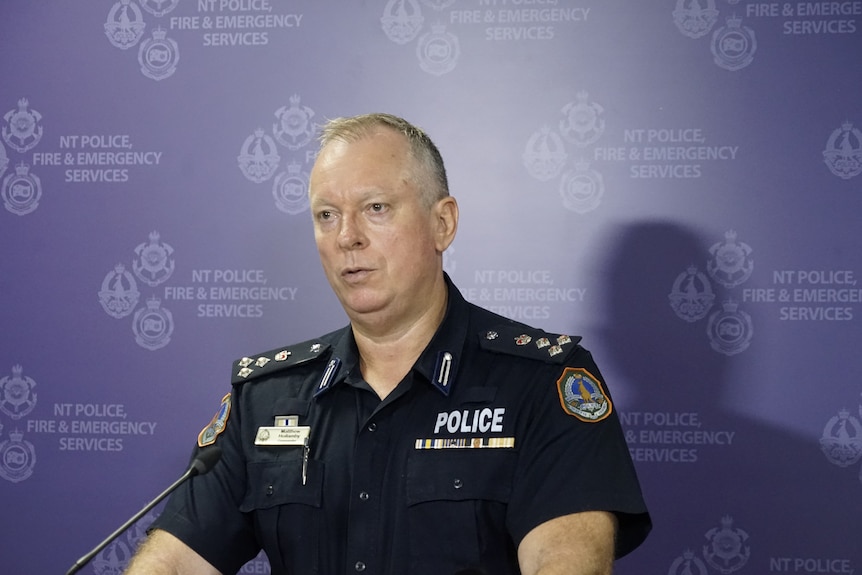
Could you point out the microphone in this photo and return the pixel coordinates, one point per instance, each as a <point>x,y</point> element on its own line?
<point>202,463</point>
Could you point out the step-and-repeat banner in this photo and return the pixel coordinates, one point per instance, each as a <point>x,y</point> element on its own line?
<point>678,181</point>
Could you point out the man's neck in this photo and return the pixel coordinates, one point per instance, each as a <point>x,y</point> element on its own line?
<point>386,356</point>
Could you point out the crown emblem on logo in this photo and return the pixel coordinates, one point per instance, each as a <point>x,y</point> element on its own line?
<point>581,165</point>
<point>733,21</point>
<point>293,168</point>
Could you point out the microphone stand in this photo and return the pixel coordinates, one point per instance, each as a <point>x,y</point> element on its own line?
<point>197,467</point>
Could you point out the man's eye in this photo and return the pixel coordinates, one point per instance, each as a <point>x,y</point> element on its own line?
<point>377,207</point>
<point>324,215</point>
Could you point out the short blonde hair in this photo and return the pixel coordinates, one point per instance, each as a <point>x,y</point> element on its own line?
<point>432,177</point>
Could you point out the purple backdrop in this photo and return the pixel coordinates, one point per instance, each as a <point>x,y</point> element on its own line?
<point>677,181</point>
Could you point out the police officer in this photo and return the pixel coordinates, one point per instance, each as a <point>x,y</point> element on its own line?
<point>429,436</point>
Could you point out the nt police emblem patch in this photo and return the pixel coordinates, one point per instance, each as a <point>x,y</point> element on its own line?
<point>210,433</point>
<point>581,395</point>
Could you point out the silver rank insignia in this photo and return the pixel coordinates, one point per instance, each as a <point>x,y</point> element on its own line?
<point>444,372</point>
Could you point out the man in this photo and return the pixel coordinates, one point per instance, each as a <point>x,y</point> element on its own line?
<point>427,437</point>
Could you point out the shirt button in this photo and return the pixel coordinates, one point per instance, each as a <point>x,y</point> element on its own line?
<point>360,566</point>
<point>457,484</point>
<point>372,426</point>
<point>364,496</point>
<point>269,489</point>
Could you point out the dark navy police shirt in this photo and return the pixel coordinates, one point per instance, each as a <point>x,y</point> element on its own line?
<point>498,428</point>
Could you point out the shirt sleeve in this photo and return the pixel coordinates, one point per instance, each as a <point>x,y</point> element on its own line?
<point>204,512</point>
<point>573,456</point>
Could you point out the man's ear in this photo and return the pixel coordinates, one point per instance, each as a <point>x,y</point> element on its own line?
<point>445,213</point>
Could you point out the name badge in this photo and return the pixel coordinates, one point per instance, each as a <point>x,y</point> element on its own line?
<point>293,435</point>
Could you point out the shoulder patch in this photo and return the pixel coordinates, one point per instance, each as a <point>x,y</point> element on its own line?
<point>210,433</point>
<point>249,368</point>
<point>582,395</point>
<point>525,342</point>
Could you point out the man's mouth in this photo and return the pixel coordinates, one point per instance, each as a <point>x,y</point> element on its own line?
<point>354,273</point>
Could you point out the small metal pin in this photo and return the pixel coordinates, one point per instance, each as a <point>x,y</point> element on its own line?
<point>305,451</point>
<point>329,373</point>
<point>445,367</point>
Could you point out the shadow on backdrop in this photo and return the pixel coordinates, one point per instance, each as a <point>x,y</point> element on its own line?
<point>727,493</point>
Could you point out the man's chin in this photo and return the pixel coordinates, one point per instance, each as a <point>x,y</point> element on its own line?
<point>361,303</point>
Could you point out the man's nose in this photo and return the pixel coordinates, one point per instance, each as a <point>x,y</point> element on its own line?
<point>351,235</point>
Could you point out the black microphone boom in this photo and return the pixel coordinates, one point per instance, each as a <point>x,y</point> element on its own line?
<point>201,464</point>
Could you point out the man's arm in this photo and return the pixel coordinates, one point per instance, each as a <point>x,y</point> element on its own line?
<point>164,554</point>
<point>576,544</point>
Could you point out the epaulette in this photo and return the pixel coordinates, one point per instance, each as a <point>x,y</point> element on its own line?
<point>527,342</point>
<point>249,368</point>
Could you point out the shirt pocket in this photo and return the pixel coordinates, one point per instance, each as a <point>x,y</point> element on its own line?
<point>286,512</point>
<point>456,509</point>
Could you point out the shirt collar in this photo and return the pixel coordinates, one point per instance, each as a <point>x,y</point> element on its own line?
<point>438,363</point>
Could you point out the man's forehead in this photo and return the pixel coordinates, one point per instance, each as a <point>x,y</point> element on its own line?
<point>373,154</point>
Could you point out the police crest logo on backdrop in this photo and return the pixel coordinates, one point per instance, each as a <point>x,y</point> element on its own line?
<point>21,190</point>
<point>841,441</point>
<point>732,45</point>
<point>581,188</point>
<point>843,153</point>
<point>17,400</point>
<point>726,551</point>
<point>22,131</point>
<point>153,324</point>
<point>729,329</point>
<point>125,25</point>
<point>159,55</point>
<point>17,458</point>
<point>693,19</point>
<point>259,158</point>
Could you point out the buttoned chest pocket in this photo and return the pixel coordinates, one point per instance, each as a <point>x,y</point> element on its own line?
<point>456,507</point>
<point>286,510</point>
